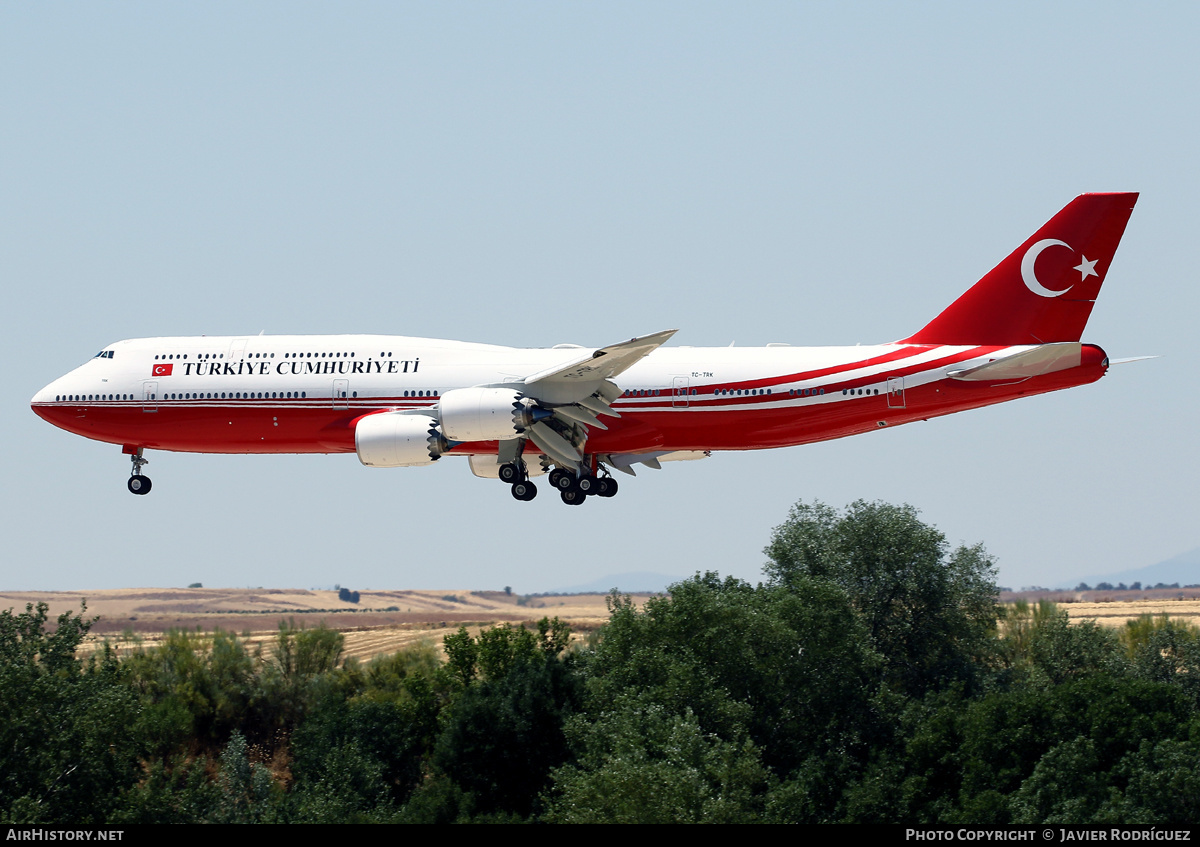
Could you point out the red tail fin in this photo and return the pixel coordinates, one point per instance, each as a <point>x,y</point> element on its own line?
<point>1045,289</point>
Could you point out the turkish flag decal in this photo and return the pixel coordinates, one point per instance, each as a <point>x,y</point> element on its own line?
<point>162,370</point>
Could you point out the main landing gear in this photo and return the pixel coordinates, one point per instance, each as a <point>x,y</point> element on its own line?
<point>514,474</point>
<point>574,490</point>
<point>138,484</point>
<point>571,488</point>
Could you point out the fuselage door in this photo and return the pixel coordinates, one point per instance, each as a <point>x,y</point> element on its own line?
<point>679,392</point>
<point>150,396</point>
<point>237,349</point>
<point>341,390</point>
<point>896,392</point>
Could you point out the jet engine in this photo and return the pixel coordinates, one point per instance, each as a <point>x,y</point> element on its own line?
<point>398,440</point>
<point>487,414</point>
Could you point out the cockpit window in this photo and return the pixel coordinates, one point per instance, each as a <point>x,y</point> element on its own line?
<point>104,354</point>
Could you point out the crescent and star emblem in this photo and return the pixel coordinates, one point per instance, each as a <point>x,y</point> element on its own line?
<point>1086,268</point>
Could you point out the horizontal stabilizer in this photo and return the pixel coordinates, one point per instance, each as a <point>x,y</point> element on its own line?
<point>1045,359</point>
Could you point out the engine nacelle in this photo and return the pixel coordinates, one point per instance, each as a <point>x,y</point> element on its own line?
<point>484,414</point>
<point>398,440</point>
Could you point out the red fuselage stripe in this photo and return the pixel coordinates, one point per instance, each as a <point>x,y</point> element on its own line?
<point>775,420</point>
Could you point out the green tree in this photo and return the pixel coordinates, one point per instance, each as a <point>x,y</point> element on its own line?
<point>1019,621</point>
<point>929,612</point>
<point>499,649</point>
<point>363,755</point>
<point>503,730</point>
<point>1067,786</point>
<point>246,791</point>
<point>1061,651</point>
<point>172,791</point>
<point>1003,738</point>
<point>778,684</point>
<point>301,652</point>
<point>66,750</point>
<point>1162,785</point>
<point>298,673</point>
<point>787,667</point>
<point>194,688</point>
<point>1165,650</point>
<point>642,764</point>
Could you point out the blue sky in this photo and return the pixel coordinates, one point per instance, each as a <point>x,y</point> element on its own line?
<point>535,173</point>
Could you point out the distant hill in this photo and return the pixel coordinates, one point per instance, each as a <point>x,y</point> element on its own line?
<point>1183,569</point>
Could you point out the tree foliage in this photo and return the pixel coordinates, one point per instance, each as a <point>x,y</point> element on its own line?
<point>790,667</point>
<point>873,678</point>
<point>505,730</point>
<point>640,763</point>
<point>65,746</point>
<point>928,611</point>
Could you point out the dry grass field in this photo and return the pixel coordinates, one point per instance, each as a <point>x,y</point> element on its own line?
<point>381,622</point>
<point>1113,608</point>
<point>1116,613</point>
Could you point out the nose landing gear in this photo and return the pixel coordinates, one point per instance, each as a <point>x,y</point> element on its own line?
<point>138,484</point>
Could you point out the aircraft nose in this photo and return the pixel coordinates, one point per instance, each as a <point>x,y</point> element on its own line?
<point>47,394</point>
<point>42,403</point>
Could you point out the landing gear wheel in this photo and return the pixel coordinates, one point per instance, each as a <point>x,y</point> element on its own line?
<point>573,497</point>
<point>510,473</point>
<point>138,485</point>
<point>606,487</point>
<point>524,490</point>
<point>588,485</point>
<point>561,479</point>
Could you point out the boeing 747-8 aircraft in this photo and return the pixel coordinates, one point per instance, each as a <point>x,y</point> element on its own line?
<point>579,413</point>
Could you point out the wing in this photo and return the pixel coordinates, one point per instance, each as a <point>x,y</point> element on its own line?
<point>584,376</point>
<point>563,402</point>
